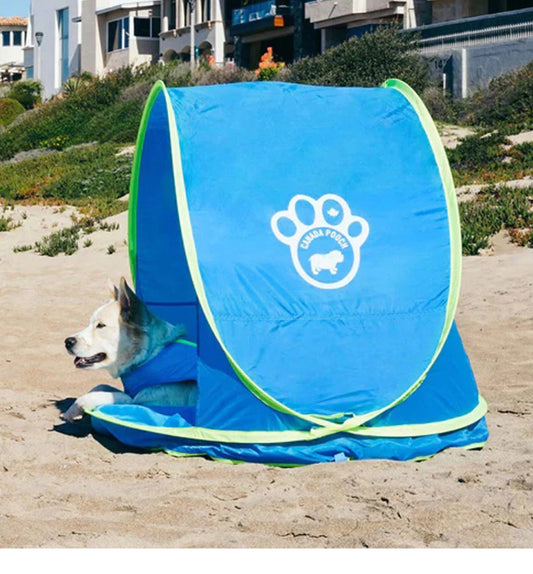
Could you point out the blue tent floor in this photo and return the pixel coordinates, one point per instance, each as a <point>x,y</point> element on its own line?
<point>332,449</point>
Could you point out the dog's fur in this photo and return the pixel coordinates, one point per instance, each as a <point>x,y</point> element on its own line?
<point>121,335</point>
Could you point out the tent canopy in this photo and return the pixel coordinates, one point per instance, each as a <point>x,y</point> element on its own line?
<point>308,238</point>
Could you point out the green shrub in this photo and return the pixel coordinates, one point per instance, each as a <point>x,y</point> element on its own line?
<point>96,173</point>
<point>267,74</point>
<point>139,91</point>
<point>484,159</point>
<point>440,105</point>
<point>366,61</point>
<point>27,93</point>
<point>57,143</point>
<point>106,109</point>
<point>9,110</point>
<point>479,222</point>
<point>225,75</point>
<point>22,248</point>
<point>496,208</point>
<point>75,83</point>
<point>64,241</point>
<point>6,223</point>
<point>477,151</point>
<point>506,103</point>
<point>66,117</point>
<point>117,123</point>
<point>173,74</point>
<point>91,176</point>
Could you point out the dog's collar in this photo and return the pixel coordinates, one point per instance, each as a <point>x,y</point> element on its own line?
<point>174,363</point>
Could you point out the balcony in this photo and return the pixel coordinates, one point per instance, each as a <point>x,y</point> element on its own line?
<point>327,12</point>
<point>487,29</point>
<point>261,16</point>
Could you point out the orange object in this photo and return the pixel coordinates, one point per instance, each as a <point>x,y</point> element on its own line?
<point>267,61</point>
<point>279,22</point>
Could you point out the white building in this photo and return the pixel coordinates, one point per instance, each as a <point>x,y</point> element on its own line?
<point>209,30</point>
<point>52,51</point>
<point>12,40</point>
<point>117,34</point>
<point>66,37</point>
<point>340,19</point>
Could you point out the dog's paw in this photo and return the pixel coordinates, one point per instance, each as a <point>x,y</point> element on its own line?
<point>74,413</point>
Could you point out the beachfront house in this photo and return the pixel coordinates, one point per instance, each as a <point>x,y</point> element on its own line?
<point>468,42</point>
<point>210,33</point>
<point>117,34</point>
<point>12,40</point>
<point>67,37</point>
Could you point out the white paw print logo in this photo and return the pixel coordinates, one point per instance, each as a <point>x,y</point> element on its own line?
<point>324,237</point>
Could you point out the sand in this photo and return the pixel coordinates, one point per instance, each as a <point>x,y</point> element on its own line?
<point>61,486</point>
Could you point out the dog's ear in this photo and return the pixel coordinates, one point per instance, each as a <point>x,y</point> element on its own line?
<point>113,290</point>
<point>132,309</point>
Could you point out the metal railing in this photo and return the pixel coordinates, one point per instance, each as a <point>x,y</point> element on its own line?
<point>503,27</point>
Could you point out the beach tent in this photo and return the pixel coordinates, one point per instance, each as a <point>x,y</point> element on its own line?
<point>308,238</point>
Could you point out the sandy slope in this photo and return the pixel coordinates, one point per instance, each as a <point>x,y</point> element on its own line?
<point>62,487</point>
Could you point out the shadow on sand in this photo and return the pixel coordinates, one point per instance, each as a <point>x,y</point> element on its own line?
<point>83,428</point>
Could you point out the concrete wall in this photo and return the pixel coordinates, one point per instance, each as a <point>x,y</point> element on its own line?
<point>470,69</point>
<point>487,62</point>
<point>46,57</point>
<point>92,57</point>
<point>445,10</point>
<point>423,13</point>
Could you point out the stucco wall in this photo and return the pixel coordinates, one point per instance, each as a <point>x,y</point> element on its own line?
<point>469,69</point>
<point>445,10</point>
<point>46,57</point>
<point>215,35</point>
<point>11,54</point>
<point>95,58</point>
<point>487,62</point>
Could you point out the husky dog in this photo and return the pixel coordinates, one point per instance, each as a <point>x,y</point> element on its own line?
<point>121,336</point>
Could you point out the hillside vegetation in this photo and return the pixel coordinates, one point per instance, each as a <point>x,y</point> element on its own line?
<point>68,149</point>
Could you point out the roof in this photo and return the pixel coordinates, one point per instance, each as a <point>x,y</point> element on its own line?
<point>14,21</point>
<point>127,6</point>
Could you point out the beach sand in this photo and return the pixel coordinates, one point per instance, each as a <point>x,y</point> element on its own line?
<point>61,486</point>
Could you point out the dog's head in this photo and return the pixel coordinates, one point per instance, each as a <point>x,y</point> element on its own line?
<point>121,334</point>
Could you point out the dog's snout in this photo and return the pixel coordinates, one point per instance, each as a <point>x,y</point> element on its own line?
<point>70,342</point>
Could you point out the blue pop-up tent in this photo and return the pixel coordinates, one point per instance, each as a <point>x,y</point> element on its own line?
<point>308,238</point>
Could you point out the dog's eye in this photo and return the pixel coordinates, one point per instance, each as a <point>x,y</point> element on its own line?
<point>100,325</point>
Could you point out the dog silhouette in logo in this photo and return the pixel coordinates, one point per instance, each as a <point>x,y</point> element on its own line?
<point>333,261</point>
<point>327,261</point>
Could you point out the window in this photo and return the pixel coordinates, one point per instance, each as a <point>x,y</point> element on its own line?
<point>156,27</point>
<point>173,24</point>
<point>186,12</point>
<point>62,25</point>
<point>146,27</point>
<point>118,34</point>
<point>206,10</point>
<point>141,27</point>
<point>17,38</point>
<point>6,38</point>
